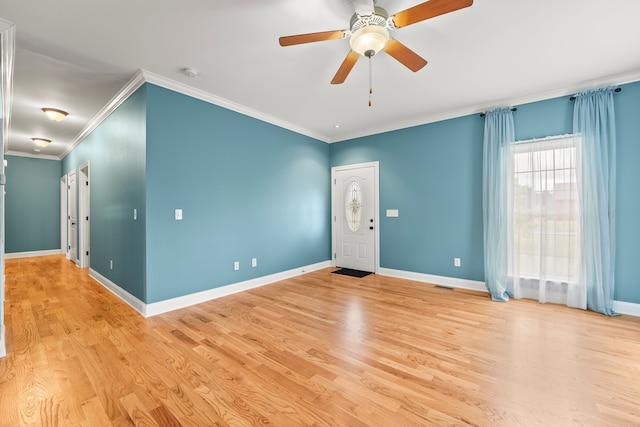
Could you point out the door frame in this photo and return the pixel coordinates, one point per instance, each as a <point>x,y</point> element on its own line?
<point>73,173</point>
<point>63,216</point>
<point>7,55</point>
<point>376,209</point>
<point>84,216</point>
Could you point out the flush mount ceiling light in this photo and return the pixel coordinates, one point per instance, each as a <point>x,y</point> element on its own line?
<point>41,142</point>
<point>55,114</point>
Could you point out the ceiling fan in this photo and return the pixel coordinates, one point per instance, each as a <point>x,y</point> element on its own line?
<point>369,33</point>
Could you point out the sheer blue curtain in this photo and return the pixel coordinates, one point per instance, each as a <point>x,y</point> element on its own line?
<point>594,121</point>
<point>498,132</point>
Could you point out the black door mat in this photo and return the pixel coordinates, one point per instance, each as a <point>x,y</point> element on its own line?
<point>352,273</point>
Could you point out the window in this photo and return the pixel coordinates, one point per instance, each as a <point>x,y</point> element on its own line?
<point>544,219</point>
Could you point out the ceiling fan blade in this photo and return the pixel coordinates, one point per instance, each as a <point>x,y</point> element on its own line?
<point>312,37</point>
<point>426,10</point>
<point>404,55</point>
<point>363,7</point>
<point>345,68</point>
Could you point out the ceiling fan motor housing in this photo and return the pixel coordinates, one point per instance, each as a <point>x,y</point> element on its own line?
<point>379,18</point>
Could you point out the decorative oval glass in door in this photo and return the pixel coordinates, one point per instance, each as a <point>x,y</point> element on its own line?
<point>353,206</point>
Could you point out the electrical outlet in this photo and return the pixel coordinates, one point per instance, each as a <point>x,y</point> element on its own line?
<point>178,214</point>
<point>456,262</point>
<point>254,262</point>
<point>236,265</point>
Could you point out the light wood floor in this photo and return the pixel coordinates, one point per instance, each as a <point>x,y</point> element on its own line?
<point>320,350</point>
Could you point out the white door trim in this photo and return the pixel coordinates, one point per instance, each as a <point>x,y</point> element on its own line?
<point>84,244</point>
<point>376,209</point>
<point>72,213</point>
<point>63,215</point>
<point>7,55</point>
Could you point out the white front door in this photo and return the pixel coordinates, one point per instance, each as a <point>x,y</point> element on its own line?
<point>355,216</point>
<point>72,216</point>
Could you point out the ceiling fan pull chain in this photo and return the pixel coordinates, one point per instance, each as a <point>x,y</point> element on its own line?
<point>370,81</point>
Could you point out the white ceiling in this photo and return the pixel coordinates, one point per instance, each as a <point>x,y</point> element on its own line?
<point>76,55</point>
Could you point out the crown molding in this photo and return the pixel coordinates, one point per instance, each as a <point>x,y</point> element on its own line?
<point>32,156</point>
<point>132,85</point>
<point>184,89</point>
<point>144,76</point>
<point>612,80</point>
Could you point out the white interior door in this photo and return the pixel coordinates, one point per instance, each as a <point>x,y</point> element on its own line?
<point>72,216</point>
<point>355,217</point>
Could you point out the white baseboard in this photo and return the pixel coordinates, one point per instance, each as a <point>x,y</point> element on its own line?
<point>621,307</point>
<point>153,309</point>
<point>450,282</point>
<point>32,253</point>
<point>191,299</point>
<point>628,308</point>
<point>125,296</point>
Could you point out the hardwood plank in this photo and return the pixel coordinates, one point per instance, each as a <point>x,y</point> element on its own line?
<point>94,413</point>
<point>137,411</point>
<point>8,392</point>
<point>164,417</point>
<point>315,350</point>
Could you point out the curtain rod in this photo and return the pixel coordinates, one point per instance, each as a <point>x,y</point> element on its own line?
<point>546,138</point>
<point>618,89</point>
<point>484,114</point>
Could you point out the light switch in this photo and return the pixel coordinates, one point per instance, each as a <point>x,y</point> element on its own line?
<point>178,214</point>
<point>392,213</point>
<point>135,214</point>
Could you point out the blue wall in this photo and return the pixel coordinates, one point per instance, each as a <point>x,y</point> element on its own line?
<point>115,151</point>
<point>248,189</point>
<point>433,175</point>
<point>32,204</point>
<point>628,193</point>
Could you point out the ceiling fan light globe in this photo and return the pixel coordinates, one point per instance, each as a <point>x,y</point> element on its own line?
<point>369,38</point>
